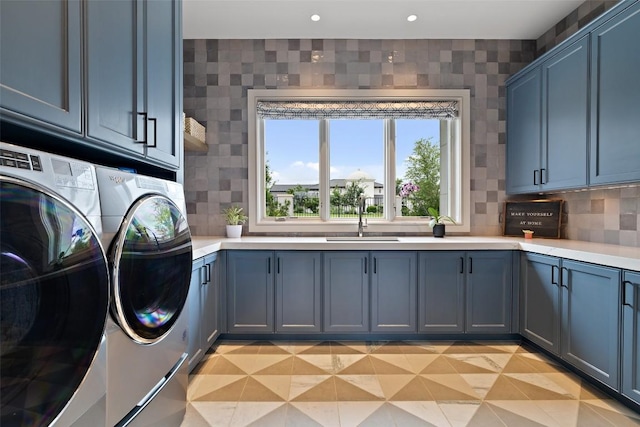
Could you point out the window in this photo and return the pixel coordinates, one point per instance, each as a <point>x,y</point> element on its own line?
<point>312,153</point>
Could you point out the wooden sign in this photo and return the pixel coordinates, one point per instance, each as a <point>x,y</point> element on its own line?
<point>543,217</point>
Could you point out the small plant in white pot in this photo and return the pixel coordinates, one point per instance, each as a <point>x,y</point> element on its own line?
<point>437,222</point>
<point>235,218</point>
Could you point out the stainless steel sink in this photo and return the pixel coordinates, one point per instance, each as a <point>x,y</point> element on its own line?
<point>362,239</point>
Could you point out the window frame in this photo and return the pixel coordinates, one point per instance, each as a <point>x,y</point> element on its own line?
<point>457,131</point>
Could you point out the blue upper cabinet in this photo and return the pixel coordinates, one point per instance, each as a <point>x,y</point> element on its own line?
<point>615,101</point>
<point>547,113</point>
<point>572,115</point>
<point>133,73</point>
<point>40,63</point>
<point>114,93</point>
<point>524,130</point>
<point>565,115</point>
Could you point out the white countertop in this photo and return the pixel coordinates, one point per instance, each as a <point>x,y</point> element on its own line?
<point>625,257</point>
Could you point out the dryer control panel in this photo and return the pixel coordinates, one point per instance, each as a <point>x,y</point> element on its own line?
<point>16,159</point>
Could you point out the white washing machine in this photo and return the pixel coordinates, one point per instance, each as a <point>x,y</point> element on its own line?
<point>150,256</point>
<point>54,292</point>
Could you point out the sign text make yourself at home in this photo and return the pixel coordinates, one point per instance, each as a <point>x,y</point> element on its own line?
<point>543,217</point>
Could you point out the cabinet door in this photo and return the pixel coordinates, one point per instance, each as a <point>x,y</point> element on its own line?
<point>590,319</point>
<point>489,293</point>
<point>346,291</point>
<point>524,117</point>
<point>163,69</point>
<point>631,336</point>
<point>209,297</point>
<point>194,347</point>
<point>250,291</point>
<point>298,291</point>
<point>113,91</point>
<point>40,61</point>
<point>441,291</point>
<point>565,82</point>
<point>540,300</point>
<point>615,89</point>
<point>393,291</point>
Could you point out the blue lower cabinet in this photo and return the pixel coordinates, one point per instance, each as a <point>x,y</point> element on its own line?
<point>441,291</point>
<point>194,348</point>
<point>590,319</point>
<point>631,336</point>
<point>465,292</point>
<point>346,291</point>
<point>298,291</point>
<point>540,300</point>
<point>250,297</point>
<point>393,291</point>
<point>489,291</point>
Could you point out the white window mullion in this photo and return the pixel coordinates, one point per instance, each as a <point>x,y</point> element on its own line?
<point>389,169</point>
<point>325,173</point>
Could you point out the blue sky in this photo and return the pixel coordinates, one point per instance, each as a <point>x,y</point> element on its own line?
<point>292,147</point>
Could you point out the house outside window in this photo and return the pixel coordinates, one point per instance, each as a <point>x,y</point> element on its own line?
<point>354,142</point>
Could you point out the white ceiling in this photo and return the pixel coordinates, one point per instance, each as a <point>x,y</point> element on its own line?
<point>372,19</point>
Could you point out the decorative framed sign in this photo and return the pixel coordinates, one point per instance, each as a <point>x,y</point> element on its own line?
<point>543,217</point>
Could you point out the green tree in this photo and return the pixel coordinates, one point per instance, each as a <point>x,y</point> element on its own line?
<point>352,191</point>
<point>273,207</point>
<point>423,169</point>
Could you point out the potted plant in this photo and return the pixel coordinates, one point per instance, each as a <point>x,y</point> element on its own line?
<point>235,218</point>
<point>437,222</point>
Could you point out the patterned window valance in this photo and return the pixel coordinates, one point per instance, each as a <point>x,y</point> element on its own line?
<point>357,109</point>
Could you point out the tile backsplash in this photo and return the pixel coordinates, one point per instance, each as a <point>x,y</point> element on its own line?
<point>217,74</point>
<point>600,215</point>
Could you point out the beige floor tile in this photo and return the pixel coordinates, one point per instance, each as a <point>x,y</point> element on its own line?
<point>428,412</point>
<point>228,393</point>
<point>303,383</point>
<point>215,413</point>
<point>360,367</point>
<point>284,367</point>
<point>277,417</point>
<point>522,412</point>
<point>459,414</point>
<point>323,392</point>
<point>370,383</point>
<point>414,390</point>
<point>391,364</point>
<point>418,362</point>
<point>358,388</point>
<point>250,363</point>
<point>354,413</point>
<point>564,412</point>
<point>450,381</point>
<point>278,384</point>
<point>402,383</point>
<point>248,412</point>
<point>205,384</point>
<point>255,391</point>
<point>540,384</point>
<point>392,384</point>
<point>302,367</point>
<point>324,413</point>
<point>296,418</point>
<point>480,383</point>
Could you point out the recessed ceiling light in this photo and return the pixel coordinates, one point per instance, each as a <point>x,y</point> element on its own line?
<point>315,17</point>
<point>412,18</point>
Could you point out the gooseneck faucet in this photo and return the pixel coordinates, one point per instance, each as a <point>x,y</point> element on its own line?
<point>361,202</point>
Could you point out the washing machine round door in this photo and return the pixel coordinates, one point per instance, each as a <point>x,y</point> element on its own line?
<point>152,258</point>
<point>54,295</point>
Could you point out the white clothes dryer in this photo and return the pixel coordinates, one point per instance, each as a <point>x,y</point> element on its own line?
<point>150,257</point>
<point>54,292</point>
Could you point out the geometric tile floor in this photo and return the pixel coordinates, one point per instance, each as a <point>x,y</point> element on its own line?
<point>392,383</point>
